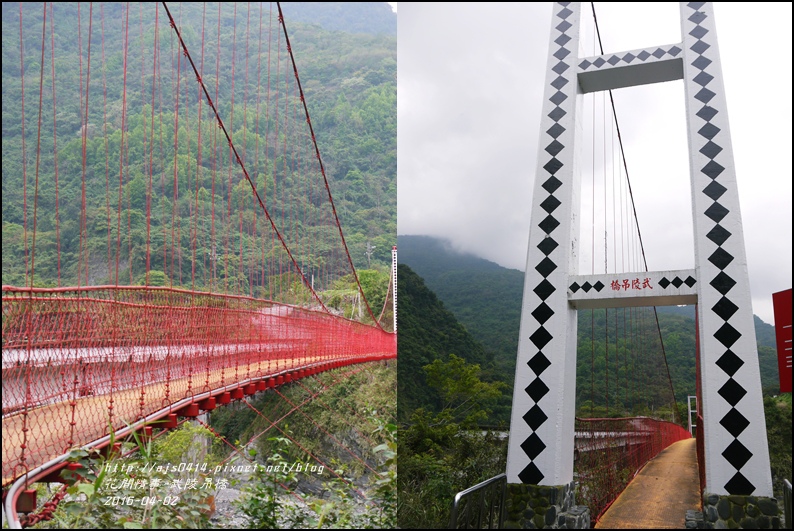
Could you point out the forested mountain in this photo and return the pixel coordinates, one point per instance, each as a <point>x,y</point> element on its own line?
<point>373,18</point>
<point>349,78</point>
<point>486,299</point>
<point>427,332</point>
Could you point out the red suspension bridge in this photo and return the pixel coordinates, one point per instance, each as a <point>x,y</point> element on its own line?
<point>175,244</point>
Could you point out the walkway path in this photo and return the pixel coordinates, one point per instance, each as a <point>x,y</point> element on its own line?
<point>659,496</point>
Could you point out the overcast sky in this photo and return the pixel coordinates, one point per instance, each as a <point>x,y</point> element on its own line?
<point>470,81</point>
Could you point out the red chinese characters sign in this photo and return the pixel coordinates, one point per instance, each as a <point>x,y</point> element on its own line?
<point>631,283</point>
<point>782,304</point>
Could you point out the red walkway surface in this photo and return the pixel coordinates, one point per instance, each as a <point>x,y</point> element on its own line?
<point>659,496</point>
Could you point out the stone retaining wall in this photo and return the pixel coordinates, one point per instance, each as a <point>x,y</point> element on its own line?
<point>544,507</point>
<point>735,512</point>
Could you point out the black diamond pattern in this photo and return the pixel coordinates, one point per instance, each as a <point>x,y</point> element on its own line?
<point>558,97</point>
<point>716,212</point>
<point>561,54</point>
<point>557,113</point>
<point>698,32</point>
<point>539,363</point>
<point>697,17</point>
<point>737,455</point>
<point>552,166</point>
<point>727,335</point>
<point>545,267</point>
<point>548,224</point>
<point>722,283</point>
<point>730,363</point>
<point>554,148</point>
<point>547,245</point>
<point>599,62</point>
<point>541,337</point>
<point>574,287</point>
<point>711,149</point>
<point>707,113</point>
<point>542,313</point>
<point>709,131</point>
<point>704,95</point>
<point>613,60</point>
<point>690,281</point>
<point>565,13</point>
<point>712,169</point>
<point>530,474</point>
<point>543,290</point>
<point>721,258</point>
<point>563,26</point>
<point>703,79</point>
<point>587,287</point>
<point>562,40</point>
<point>584,65</point>
<point>725,308</point>
<point>675,50</point>
<point>739,485</point>
<point>550,204</point>
<point>533,446</point>
<point>701,62</point>
<point>537,389</point>
<point>718,235</point>
<point>734,422</point>
<point>643,55</point>
<point>696,5</point>
<point>700,47</point>
<point>598,286</point>
<point>629,57</point>
<point>658,53</point>
<point>664,283</point>
<point>555,130</point>
<point>559,82</point>
<point>559,68</point>
<point>732,392</point>
<point>551,184</point>
<point>714,190</point>
<point>677,282</point>
<point>535,417</point>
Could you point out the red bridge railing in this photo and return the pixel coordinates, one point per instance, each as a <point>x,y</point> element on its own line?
<point>78,360</point>
<point>610,452</point>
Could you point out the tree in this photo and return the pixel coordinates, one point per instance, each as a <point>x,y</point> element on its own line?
<point>463,394</point>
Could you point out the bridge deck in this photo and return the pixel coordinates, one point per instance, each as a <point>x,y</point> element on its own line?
<point>659,496</point>
<point>52,422</point>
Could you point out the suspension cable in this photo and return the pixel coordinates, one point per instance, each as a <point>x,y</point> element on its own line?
<point>636,219</point>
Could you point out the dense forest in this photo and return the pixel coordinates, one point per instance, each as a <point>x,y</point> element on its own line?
<point>348,76</point>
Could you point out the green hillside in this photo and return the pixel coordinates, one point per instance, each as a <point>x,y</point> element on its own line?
<point>350,85</point>
<point>427,332</point>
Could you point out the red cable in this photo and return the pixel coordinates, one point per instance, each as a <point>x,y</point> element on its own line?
<point>38,146</point>
<point>176,154</point>
<point>245,138</point>
<point>213,258</point>
<point>84,219</point>
<point>255,244</point>
<point>121,146</point>
<point>55,146</point>
<point>24,154</point>
<point>198,162</point>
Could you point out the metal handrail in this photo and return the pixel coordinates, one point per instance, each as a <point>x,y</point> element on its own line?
<point>787,502</point>
<point>497,499</point>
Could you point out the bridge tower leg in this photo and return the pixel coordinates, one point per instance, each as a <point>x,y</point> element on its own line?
<point>541,446</point>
